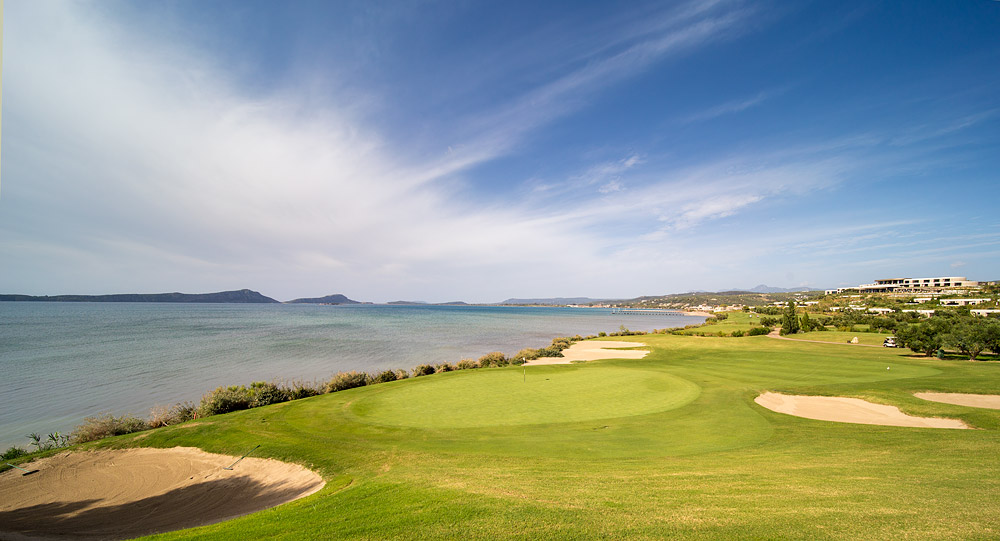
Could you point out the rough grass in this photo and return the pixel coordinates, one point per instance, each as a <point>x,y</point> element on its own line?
<point>717,466</point>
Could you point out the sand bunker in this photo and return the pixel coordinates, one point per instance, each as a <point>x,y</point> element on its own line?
<point>990,401</point>
<point>849,410</point>
<point>593,350</point>
<point>132,492</point>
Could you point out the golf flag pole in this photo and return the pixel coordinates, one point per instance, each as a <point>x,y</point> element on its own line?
<point>241,458</point>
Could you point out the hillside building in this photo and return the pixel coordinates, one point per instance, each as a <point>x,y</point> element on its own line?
<point>940,284</point>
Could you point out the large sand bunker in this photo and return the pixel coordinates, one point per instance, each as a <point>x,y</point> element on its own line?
<point>990,401</point>
<point>127,493</point>
<point>849,410</point>
<point>593,350</point>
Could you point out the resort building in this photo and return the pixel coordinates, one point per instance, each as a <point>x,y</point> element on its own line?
<point>963,302</point>
<point>939,284</point>
<point>984,311</point>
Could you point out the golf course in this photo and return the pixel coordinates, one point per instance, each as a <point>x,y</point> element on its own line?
<point>672,444</point>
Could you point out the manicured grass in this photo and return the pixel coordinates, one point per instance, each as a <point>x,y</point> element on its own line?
<point>553,394</point>
<point>596,452</point>
<point>869,338</point>
<point>735,321</point>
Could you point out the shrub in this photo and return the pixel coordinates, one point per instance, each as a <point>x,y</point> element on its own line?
<point>467,364</point>
<point>738,333</point>
<point>13,452</point>
<point>224,400</point>
<point>757,331</point>
<point>166,416</point>
<point>602,334</point>
<point>494,358</point>
<point>347,380</point>
<point>423,370</point>
<point>445,367</point>
<point>561,343</point>
<point>265,394</point>
<point>385,376</point>
<point>299,389</point>
<point>95,428</point>
<point>402,374</point>
<point>527,354</point>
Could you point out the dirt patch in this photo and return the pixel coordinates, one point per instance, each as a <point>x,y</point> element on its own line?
<point>849,410</point>
<point>990,401</point>
<point>593,350</point>
<point>127,493</point>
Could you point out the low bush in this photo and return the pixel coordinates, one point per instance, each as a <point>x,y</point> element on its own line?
<point>423,370</point>
<point>224,400</point>
<point>301,389</point>
<point>757,331</point>
<point>265,394</point>
<point>385,376</point>
<point>526,354</point>
<point>445,367</point>
<point>467,364</point>
<point>494,358</point>
<point>95,428</point>
<point>166,416</point>
<point>13,452</point>
<point>738,334</point>
<point>602,334</point>
<point>347,380</point>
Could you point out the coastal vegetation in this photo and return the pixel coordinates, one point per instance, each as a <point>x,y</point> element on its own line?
<point>232,398</point>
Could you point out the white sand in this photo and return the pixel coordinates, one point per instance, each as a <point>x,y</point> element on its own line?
<point>849,410</point>
<point>593,350</point>
<point>127,493</point>
<point>990,401</point>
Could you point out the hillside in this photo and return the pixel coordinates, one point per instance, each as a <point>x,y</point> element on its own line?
<point>329,299</point>
<point>242,296</point>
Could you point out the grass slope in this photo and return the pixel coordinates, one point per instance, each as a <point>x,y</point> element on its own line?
<point>670,445</point>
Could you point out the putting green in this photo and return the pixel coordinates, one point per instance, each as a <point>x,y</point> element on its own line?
<point>556,394</point>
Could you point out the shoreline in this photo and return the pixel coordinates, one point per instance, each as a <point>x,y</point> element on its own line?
<point>325,370</point>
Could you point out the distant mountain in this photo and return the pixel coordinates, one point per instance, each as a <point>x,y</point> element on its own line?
<point>554,301</point>
<point>242,296</point>
<point>329,299</point>
<point>761,288</point>
<point>423,303</point>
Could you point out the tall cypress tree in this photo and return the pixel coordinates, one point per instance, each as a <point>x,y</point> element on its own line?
<point>790,322</point>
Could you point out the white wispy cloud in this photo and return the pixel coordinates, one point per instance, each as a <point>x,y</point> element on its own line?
<point>733,106</point>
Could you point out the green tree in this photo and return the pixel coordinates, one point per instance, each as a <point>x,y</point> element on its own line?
<point>806,323</point>
<point>993,335</point>
<point>969,336</point>
<point>924,338</point>
<point>790,321</point>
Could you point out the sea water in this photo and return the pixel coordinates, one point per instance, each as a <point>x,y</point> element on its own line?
<point>62,361</point>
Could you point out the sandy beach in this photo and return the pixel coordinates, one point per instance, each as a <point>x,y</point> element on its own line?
<point>849,410</point>
<point>127,493</point>
<point>593,350</point>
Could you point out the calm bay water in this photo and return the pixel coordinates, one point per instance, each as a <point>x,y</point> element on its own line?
<point>61,362</point>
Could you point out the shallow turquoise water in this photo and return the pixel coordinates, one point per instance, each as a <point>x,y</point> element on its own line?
<point>61,362</point>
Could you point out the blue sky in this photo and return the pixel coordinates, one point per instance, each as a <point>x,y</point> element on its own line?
<point>483,150</point>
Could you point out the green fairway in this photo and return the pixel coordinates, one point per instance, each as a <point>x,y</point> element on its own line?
<point>552,394</point>
<point>670,445</point>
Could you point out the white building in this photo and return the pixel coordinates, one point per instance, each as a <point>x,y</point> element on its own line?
<point>963,302</point>
<point>913,285</point>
